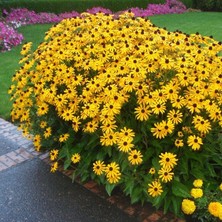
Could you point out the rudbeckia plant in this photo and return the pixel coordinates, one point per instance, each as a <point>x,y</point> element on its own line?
<point>125,103</point>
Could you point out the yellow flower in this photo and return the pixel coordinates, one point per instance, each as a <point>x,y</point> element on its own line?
<point>48,132</point>
<point>54,167</point>
<point>152,170</point>
<point>220,186</point>
<point>135,157</point>
<point>168,160</point>
<point>142,113</point>
<point>99,167</point>
<point>188,206</point>
<point>196,192</point>
<point>43,124</point>
<point>75,158</point>
<point>165,174</point>
<point>125,144</point>
<point>26,48</point>
<point>113,173</point>
<point>53,154</point>
<point>215,208</point>
<point>175,116</point>
<point>195,142</point>
<point>155,189</point>
<point>63,137</point>
<point>179,143</point>
<point>198,183</point>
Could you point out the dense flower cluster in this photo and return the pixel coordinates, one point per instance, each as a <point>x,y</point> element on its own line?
<point>170,7</point>
<point>9,37</point>
<point>127,103</point>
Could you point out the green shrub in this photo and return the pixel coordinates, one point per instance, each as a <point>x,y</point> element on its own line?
<point>126,104</point>
<point>58,6</point>
<point>208,5</point>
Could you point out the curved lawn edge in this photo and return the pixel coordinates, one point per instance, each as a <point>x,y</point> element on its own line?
<point>206,23</point>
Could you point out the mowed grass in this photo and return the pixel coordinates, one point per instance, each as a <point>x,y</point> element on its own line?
<point>9,63</point>
<point>206,23</point>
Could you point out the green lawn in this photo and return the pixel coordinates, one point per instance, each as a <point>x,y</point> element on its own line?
<point>205,23</point>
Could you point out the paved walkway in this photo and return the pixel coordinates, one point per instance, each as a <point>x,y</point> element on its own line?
<point>29,192</point>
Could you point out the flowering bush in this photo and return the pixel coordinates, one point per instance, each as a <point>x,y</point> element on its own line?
<point>170,7</point>
<point>127,104</point>
<point>9,37</point>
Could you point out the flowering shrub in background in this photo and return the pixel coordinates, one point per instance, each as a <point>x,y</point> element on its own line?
<point>9,37</point>
<point>127,104</point>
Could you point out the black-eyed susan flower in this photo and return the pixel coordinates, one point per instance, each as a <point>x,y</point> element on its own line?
<point>26,48</point>
<point>175,116</point>
<point>63,137</point>
<point>179,143</point>
<point>99,167</point>
<point>54,167</point>
<point>76,158</point>
<point>152,170</point>
<point>142,113</point>
<point>155,189</point>
<point>168,160</point>
<point>159,131</point>
<point>194,142</point>
<point>48,132</point>
<point>135,157</point>
<point>125,144</point>
<point>109,139</point>
<point>165,174</point>
<point>113,173</point>
<point>53,154</point>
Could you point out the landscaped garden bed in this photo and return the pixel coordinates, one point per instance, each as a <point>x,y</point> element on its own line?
<point>129,105</point>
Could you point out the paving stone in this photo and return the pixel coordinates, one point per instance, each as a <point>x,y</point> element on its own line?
<point>2,166</point>
<point>24,153</point>
<point>7,161</point>
<point>15,157</point>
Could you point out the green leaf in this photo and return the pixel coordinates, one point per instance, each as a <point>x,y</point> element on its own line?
<point>158,201</point>
<point>155,163</point>
<point>109,188</point>
<point>180,190</point>
<point>176,205</point>
<point>167,203</point>
<point>67,163</point>
<point>129,185</point>
<point>197,173</point>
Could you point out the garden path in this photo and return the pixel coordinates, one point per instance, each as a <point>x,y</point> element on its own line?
<point>29,192</point>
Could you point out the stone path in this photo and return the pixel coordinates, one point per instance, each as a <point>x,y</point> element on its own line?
<point>21,150</point>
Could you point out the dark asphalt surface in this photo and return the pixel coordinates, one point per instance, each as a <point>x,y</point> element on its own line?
<point>6,145</point>
<point>29,192</point>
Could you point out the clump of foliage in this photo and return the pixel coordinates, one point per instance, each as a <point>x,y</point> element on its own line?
<point>126,103</point>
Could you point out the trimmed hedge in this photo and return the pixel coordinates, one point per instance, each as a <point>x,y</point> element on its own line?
<point>58,6</point>
<point>208,5</point>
